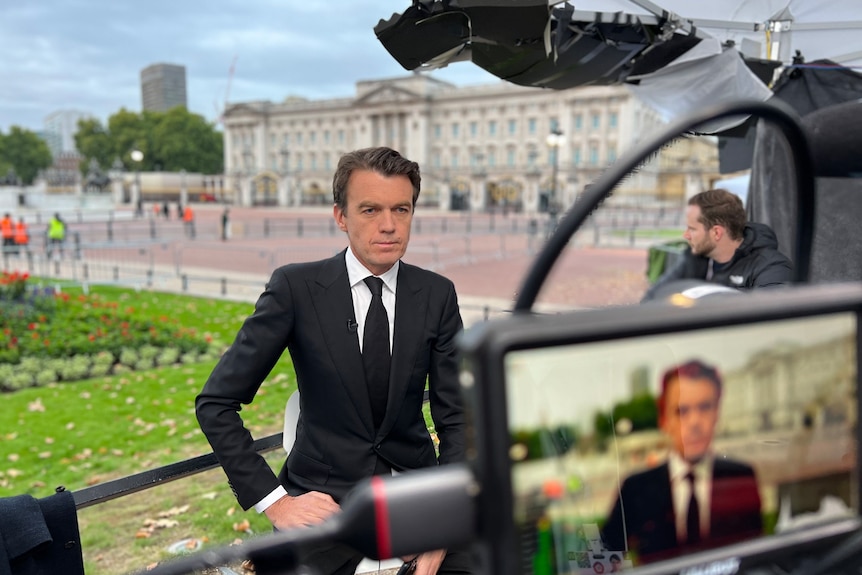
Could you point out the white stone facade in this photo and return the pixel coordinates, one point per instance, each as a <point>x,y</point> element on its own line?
<point>479,147</point>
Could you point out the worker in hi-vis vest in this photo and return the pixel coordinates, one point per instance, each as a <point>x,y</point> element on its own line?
<point>22,237</point>
<point>7,230</point>
<point>56,236</point>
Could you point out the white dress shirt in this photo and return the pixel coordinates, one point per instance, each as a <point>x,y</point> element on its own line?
<point>356,274</point>
<point>680,489</point>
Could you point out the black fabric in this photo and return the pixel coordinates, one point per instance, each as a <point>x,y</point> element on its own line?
<point>835,139</point>
<point>692,519</point>
<point>820,84</point>
<point>40,536</point>
<point>836,254</point>
<point>375,350</point>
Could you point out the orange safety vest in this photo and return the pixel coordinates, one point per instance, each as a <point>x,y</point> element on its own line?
<point>6,228</point>
<point>21,237</point>
<point>187,214</point>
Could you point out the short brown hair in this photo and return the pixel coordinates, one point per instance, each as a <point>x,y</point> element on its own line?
<point>721,208</point>
<point>692,369</point>
<point>384,161</point>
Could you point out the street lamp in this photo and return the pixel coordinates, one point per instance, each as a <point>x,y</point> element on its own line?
<point>554,140</point>
<point>138,157</point>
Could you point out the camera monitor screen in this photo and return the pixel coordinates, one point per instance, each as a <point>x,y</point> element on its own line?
<point>627,450</point>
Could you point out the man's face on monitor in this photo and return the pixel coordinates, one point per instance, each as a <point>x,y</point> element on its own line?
<point>689,416</point>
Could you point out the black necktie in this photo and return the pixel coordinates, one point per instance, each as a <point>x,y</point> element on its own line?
<point>375,350</point>
<point>692,521</point>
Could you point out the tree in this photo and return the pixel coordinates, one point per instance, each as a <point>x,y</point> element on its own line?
<point>25,152</point>
<point>172,141</point>
<point>94,142</point>
<point>133,131</point>
<point>4,164</point>
<point>640,410</point>
<point>185,141</point>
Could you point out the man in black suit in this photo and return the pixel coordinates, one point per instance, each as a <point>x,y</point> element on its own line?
<point>349,427</point>
<point>697,499</point>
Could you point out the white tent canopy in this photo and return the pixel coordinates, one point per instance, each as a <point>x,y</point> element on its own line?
<point>830,29</point>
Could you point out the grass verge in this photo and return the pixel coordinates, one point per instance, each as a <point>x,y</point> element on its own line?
<point>82,433</point>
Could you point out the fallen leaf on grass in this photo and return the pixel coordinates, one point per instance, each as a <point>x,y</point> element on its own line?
<point>174,511</point>
<point>243,526</point>
<point>160,523</point>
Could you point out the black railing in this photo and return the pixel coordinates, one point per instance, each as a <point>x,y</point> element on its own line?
<point>116,488</point>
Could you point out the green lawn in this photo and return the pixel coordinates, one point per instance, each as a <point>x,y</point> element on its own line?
<point>659,233</point>
<point>86,432</point>
<point>82,433</point>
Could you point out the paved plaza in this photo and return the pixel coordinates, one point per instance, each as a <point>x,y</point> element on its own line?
<point>487,269</point>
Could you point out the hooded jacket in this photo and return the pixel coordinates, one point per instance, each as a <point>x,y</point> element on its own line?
<point>757,263</point>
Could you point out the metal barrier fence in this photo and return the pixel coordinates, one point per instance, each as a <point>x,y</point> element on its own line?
<point>121,227</point>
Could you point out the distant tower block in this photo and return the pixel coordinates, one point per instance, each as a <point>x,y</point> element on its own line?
<point>163,86</point>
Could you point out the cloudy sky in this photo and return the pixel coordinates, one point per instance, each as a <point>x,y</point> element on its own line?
<point>87,54</point>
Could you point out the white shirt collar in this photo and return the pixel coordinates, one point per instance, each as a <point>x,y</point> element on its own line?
<point>356,272</point>
<point>678,468</point>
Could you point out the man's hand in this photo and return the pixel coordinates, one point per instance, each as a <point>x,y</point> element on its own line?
<point>302,511</point>
<point>429,562</point>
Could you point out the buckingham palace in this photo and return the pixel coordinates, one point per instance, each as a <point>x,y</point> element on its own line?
<point>488,147</point>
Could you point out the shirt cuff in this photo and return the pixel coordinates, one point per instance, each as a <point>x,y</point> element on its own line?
<point>274,496</point>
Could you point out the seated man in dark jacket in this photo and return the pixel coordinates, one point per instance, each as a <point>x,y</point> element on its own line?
<point>724,249</point>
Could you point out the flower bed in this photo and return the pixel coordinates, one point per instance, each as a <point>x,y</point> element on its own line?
<point>48,336</point>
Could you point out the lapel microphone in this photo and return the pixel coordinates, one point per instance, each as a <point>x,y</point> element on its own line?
<point>352,326</point>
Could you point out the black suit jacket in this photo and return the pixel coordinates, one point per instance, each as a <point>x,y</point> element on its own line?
<point>645,509</point>
<point>307,309</point>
